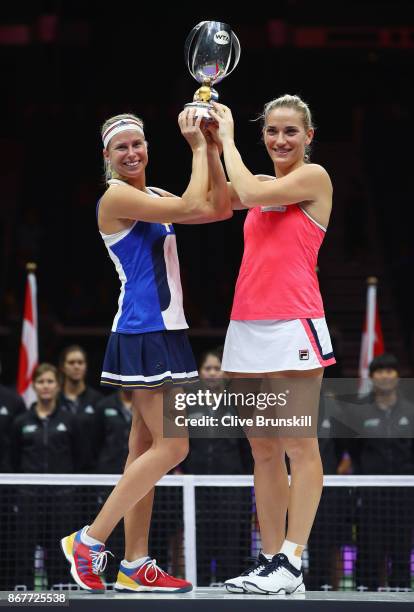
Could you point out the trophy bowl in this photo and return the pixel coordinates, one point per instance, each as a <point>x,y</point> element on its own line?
<point>212,51</point>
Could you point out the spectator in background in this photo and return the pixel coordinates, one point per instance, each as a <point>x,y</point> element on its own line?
<point>79,398</point>
<point>221,549</point>
<point>385,422</point>
<point>45,439</point>
<point>114,418</point>
<point>11,406</point>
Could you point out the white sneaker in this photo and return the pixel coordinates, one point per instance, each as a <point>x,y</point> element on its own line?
<point>235,585</point>
<point>279,576</point>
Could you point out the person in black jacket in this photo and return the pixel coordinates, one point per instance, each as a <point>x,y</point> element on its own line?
<point>114,418</point>
<point>11,405</point>
<point>46,439</point>
<point>79,398</point>
<point>385,422</point>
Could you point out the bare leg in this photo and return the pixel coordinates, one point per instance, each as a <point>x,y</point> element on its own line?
<point>305,488</point>
<point>143,472</point>
<point>271,487</point>
<point>305,466</point>
<point>137,520</point>
<point>273,495</point>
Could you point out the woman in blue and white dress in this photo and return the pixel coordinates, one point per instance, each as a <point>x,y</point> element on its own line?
<point>148,350</point>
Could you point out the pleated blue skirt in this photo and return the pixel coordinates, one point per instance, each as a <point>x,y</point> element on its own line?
<point>149,360</point>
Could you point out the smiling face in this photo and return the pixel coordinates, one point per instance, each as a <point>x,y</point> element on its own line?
<point>127,153</point>
<point>285,137</point>
<point>385,380</point>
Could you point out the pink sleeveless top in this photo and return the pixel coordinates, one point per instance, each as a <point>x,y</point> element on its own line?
<point>277,278</point>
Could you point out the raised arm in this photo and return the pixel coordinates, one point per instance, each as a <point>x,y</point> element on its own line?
<point>126,202</point>
<point>235,200</point>
<point>305,184</point>
<point>219,194</point>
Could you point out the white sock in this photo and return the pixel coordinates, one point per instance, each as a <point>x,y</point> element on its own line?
<point>133,564</point>
<point>293,552</point>
<point>268,557</point>
<point>86,539</point>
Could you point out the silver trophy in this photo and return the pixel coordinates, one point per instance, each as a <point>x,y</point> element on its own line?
<point>212,51</point>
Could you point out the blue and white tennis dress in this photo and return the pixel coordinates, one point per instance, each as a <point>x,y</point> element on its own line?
<point>148,346</point>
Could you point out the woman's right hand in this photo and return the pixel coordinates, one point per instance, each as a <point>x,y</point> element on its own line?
<point>210,131</point>
<point>224,119</point>
<point>190,128</point>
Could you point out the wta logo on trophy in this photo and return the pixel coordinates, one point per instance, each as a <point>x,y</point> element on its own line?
<point>221,38</point>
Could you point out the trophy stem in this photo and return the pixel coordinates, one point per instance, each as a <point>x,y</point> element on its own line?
<point>202,109</point>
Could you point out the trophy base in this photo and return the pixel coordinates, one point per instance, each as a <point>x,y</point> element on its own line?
<point>203,109</point>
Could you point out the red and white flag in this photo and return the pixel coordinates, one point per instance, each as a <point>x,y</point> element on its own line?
<point>372,343</point>
<point>29,351</point>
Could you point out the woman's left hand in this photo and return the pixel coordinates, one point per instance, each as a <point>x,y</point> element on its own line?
<point>222,115</point>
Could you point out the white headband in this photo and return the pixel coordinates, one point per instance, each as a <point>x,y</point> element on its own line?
<point>120,126</point>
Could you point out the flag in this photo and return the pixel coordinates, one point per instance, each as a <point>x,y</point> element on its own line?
<point>372,343</point>
<point>29,352</point>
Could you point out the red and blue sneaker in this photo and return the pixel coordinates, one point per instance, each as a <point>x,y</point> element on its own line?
<point>148,577</point>
<point>87,562</point>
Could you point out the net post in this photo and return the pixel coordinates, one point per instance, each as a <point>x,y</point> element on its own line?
<point>190,548</point>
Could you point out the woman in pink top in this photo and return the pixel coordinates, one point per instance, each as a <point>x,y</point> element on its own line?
<point>277,327</point>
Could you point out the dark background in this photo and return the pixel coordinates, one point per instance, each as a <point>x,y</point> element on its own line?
<point>67,66</point>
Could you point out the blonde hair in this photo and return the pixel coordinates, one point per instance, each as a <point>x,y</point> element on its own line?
<point>107,165</point>
<point>296,103</point>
